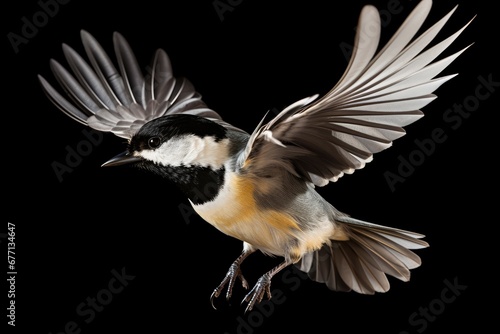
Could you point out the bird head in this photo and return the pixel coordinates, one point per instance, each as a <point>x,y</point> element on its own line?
<point>176,142</point>
<point>191,151</point>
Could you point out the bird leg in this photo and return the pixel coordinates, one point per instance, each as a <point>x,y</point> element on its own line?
<point>263,286</point>
<point>233,273</point>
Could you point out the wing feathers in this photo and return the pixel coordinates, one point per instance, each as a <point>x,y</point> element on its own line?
<point>367,109</point>
<point>417,46</point>
<point>87,78</point>
<point>161,83</point>
<point>73,88</point>
<point>400,39</point>
<point>60,102</point>
<point>105,69</point>
<point>365,46</point>
<point>130,70</point>
<point>406,104</point>
<point>423,89</point>
<point>392,49</point>
<point>120,101</point>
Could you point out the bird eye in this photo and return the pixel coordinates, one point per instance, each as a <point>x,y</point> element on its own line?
<point>154,142</point>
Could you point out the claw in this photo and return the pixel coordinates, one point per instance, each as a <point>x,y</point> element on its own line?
<point>255,296</point>
<point>233,273</point>
<point>214,294</point>
<point>263,286</point>
<point>218,289</point>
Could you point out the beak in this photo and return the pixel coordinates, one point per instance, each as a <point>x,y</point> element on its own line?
<point>121,159</point>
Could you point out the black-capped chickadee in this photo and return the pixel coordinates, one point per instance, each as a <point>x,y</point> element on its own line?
<point>265,181</point>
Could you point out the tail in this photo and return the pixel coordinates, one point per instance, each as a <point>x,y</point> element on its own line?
<point>362,262</point>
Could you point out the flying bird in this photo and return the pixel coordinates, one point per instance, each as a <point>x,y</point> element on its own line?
<point>263,183</point>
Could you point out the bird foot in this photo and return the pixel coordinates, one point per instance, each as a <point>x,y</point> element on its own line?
<point>233,273</point>
<point>261,288</point>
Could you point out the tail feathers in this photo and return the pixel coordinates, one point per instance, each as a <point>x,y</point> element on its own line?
<point>362,262</point>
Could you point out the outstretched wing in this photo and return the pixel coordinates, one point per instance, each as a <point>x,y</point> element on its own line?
<point>120,101</point>
<point>321,140</point>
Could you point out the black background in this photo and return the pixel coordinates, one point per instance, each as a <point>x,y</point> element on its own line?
<point>71,234</point>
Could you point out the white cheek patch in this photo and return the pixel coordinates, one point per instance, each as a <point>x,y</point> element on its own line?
<point>189,150</point>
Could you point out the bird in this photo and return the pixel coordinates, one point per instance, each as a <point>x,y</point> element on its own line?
<point>261,186</point>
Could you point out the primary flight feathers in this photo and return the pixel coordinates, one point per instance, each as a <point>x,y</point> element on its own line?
<point>120,101</point>
<point>362,114</point>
